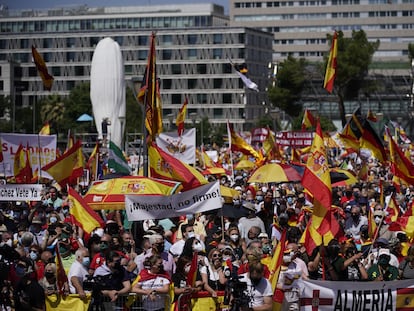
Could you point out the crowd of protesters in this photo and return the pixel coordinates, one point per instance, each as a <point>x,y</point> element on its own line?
<point>161,252</point>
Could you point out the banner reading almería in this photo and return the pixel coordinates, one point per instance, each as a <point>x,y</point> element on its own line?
<point>21,192</point>
<point>42,150</point>
<point>357,296</point>
<point>200,199</point>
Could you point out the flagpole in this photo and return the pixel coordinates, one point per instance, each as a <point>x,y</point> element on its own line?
<point>40,159</point>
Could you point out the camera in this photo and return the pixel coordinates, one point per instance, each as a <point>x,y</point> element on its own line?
<point>235,293</point>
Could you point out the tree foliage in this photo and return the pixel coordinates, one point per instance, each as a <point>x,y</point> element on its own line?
<point>353,59</point>
<point>290,80</point>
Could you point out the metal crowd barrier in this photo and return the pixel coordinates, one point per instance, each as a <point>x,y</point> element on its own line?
<point>132,302</point>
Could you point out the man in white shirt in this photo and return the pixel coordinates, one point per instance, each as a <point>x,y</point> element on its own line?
<point>78,272</point>
<point>259,289</point>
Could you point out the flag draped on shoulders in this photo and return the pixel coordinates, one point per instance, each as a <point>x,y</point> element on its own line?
<point>308,120</point>
<point>237,143</point>
<point>68,166</point>
<point>316,179</point>
<point>42,69</point>
<point>149,94</point>
<point>166,166</point>
<point>181,117</point>
<point>116,160</point>
<point>83,215</point>
<point>330,72</point>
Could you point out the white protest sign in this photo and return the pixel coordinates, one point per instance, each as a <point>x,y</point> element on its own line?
<point>42,150</point>
<point>21,192</point>
<point>200,199</point>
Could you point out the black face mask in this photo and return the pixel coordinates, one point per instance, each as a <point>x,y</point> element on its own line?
<point>49,275</point>
<point>255,281</point>
<point>117,266</point>
<point>355,217</point>
<point>159,248</point>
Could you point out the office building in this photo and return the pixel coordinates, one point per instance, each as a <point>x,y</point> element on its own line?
<point>194,47</point>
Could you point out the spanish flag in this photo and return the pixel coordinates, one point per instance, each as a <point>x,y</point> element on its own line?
<point>316,179</point>
<point>271,148</point>
<point>68,167</point>
<point>83,216</point>
<point>149,94</point>
<point>330,73</point>
<point>22,168</point>
<point>308,120</point>
<point>181,118</point>
<point>42,69</point>
<point>61,277</point>
<point>239,144</point>
<point>93,162</point>
<point>166,166</point>
<point>45,130</point>
<point>400,165</point>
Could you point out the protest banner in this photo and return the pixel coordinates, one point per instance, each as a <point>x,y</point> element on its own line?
<point>200,199</point>
<point>42,150</point>
<point>295,139</point>
<point>349,296</point>
<point>20,192</point>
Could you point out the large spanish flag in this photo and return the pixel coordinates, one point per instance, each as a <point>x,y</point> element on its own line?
<point>166,166</point>
<point>149,94</point>
<point>400,165</point>
<point>181,117</point>
<point>83,216</point>
<point>316,179</point>
<point>330,73</point>
<point>68,167</point>
<point>308,120</point>
<point>42,69</point>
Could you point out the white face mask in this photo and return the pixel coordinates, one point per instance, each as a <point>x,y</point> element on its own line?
<point>9,242</point>
<point>287,258</point>
<point>234,237</point>
<point>187,269</point>
<point>190,234</point>
<point>377,220</point>
<point>197,247</point>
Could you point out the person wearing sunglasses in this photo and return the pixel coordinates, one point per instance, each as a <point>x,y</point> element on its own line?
<point>212,273</point>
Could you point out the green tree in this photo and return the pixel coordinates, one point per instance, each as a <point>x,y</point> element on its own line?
<point>353,59</point>
<point>52,109</point>
<point>290,80</point>
<point>78,103</point>
<point>411,51</point>
<point>326,123</point>
<point>133,113</point>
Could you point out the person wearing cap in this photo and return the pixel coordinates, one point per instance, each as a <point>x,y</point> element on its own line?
<point>406,267</point>
<point>383,271</point>
<point>37,230</point>
<point>381,246</point>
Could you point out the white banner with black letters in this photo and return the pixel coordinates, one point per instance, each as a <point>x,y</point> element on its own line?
<point>348,296</point>
<point>21,192</point>
<point>200,199</point>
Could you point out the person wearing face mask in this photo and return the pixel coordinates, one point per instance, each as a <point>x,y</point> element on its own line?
<point>153,285</point>
<point>182,285</point>
<point>157,248</point>
<point>198,227</point>
<point>78,272</point>
<point>383,227</point>
<point>354,223</point>
<point>212,273</point>
<point>258,289</point>
<point>288,281</point>
<point>115,279</point>
<point>187,232</point>
<point>28,294</point>
<point>49,281</point>
<point>234,240</point>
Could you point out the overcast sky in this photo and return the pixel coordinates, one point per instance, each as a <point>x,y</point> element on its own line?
<point>44,4</point>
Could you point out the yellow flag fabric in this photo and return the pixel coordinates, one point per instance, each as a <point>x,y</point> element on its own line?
<point>330,73</point>
<point>181,117</point>
<point>70,302</point>
<point>68,167</point>
<point>45,130</point>
<point>42,69</point>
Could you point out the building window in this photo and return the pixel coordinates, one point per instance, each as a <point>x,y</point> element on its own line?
<point>192,54</point>
<point>226,68</point>
<point>217,38</point>
<point>202,98</point>
<point>201,68</point>
<point>227,98</point>
<point>192,83</point>
<point>176,99</point>
<point>166,54</point>
<point>166,84</point>
<point>217,53</point>
<point>176,69</point>
<point>192,39</point>
<point>217,83</point>
<point>218,113</point>
<point>142,54</point>
<point>167,39</point>
<point>142,40</point>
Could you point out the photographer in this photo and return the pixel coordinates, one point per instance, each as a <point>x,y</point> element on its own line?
<point>258,289</point>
